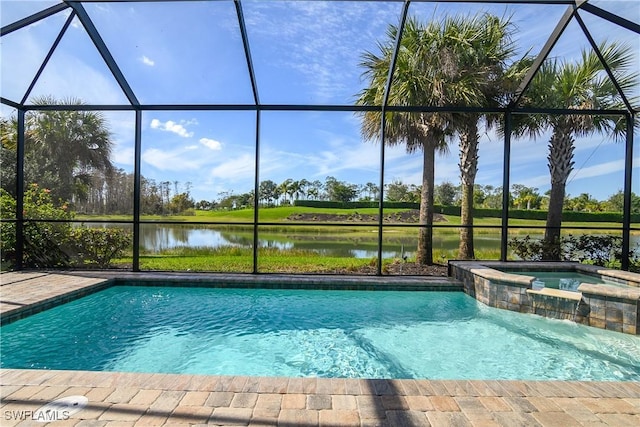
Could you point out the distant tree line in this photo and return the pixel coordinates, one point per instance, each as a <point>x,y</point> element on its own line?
<point>445,194</point>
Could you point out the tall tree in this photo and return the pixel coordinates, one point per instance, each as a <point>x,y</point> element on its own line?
<point>481,45</point>
<point>64,148</point>
<point>397,191</point>
<point>285,187</point>
<point>615,202</point>
<point>418,80</point>
<point>268,191</point>
<point>525,197</point>
<point>582,84</point>
<point>372,190</point>
<point>449,62</point>
<point>8,143</point>
<point>446,193</point>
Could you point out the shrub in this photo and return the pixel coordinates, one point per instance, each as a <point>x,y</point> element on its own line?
<point>595,249</point>
<point>354,205</point>
<point>45,242</point>
<point>529,249</point>
<point>52,241</point>
<point>601,250</point>
<point>99,246</point>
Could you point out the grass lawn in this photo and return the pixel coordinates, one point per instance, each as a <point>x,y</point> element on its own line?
<point>240,260</point>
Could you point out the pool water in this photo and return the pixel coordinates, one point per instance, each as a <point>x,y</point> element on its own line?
<point>302,333</point>
<point>565,280</point>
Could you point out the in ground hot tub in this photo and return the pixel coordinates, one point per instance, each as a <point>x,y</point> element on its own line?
<point>563,280</point>
<point>591,295</point>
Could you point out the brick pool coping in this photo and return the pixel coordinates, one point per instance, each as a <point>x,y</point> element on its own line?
<point>128,399</point>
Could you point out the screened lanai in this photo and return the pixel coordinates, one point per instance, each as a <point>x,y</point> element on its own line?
<point>359,137</point>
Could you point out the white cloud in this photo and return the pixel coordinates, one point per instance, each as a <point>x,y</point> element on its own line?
<point>168,160</point>
<point>238,168</point>
<point>298,43</point>
<point>123,156</point>
<point>171,126</point>
<point>211,143</point>
<point>147,61</point>
<point>602,169</point>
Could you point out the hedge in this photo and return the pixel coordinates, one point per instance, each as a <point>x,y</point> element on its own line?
<point>354,205</point>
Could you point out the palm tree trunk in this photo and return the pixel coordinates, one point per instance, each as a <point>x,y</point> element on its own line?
<point>560,166</point>
<point>424,253</point>
<point>468,169</point>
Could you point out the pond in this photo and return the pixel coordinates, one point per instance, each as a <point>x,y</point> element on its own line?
<point>155,238</point>
<point>349,242</point>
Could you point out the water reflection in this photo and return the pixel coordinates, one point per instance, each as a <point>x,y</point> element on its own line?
<point>155,238</point>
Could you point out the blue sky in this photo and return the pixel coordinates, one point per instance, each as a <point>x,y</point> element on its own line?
<point>303,52</point>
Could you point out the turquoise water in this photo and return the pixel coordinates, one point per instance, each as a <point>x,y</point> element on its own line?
<point>300,333</point>
<point>565,280</point>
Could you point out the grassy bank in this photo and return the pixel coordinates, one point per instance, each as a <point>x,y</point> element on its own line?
<point>270,260</point>
<point>240,260</point>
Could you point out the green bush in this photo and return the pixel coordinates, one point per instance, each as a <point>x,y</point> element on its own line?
<point>601,250</point>
<point>99,246</point>
<point>447,210</point>
<point>529,249</point>
<point>354,205</point>
<point>45,243</point>
<point>53,241</point>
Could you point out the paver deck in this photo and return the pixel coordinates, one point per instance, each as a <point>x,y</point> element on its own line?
<point>132,399</point>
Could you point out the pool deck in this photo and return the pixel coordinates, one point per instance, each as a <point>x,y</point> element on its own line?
<point>133,399</point>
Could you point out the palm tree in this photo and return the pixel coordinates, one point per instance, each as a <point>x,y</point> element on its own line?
<point>63,148</point>
<point>482,46</point>
<point>8,132</point>
<point>416,82</point>
<point>437,65</point>
<point>579,85</point>
<point>372,190</point>
<point>294,190</point>
<point>303,184</point>
<point>8,144</point>
<point>284,188</point>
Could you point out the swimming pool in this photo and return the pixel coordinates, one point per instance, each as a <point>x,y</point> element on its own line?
<point>303,333</point>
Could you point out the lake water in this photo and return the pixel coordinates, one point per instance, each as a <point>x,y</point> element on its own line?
<point>156,238</point>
